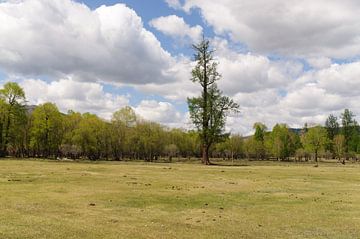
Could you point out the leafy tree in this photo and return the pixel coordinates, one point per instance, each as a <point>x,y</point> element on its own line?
<point>332,126</point>
<point>19,133</point>
<point>208,112</point>
<point>171,150</point>
<point>315,139</point>
<point>282,142</point>
<point>150,140</point>
<point>122,122</point>
<point>350,130</point>
<point>125,116</point>
<point>46,130</point>
<point>259,137</point>
<point>232,148</point>
<point>2,121</point>
<point>92,136</point>
<point>235,145</point>
<point>14,98</point>
<point>71,122</point>
<point>339,146</point>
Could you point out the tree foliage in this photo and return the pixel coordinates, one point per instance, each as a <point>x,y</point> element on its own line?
<point>315,140</point>
<point>208,112</point>
<point>281,142</point>
<point>43,131</point>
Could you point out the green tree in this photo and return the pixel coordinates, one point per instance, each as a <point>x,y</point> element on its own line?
<point>149,140</point>
<point>46,130</point>
<point>14,98</point>
<point>350,130</point>
<point>281,142</point>
<point>235,145</point>
<point>339,145</point>
<point>208,112</point>
<point>315,139</point>
<point>122,122</point>
<point>171,150</point>
<point>259,137</point>
<point>332,126</point>
<point>90,136</point>
<point>125,116</point>
<point>71,122</point>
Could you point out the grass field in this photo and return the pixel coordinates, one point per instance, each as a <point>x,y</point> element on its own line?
<point>44,199</point>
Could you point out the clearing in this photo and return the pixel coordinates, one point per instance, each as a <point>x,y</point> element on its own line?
<point>48,199</point>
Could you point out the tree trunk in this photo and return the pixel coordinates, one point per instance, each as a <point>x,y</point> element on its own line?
<point>205,156</point>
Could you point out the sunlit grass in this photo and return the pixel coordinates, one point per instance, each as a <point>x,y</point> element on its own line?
<point>42,199</point>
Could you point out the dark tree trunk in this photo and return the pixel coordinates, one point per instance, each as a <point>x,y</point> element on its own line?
<point>205,155</point>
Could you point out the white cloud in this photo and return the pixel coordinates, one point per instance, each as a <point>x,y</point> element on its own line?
<point>309,28</point>
<point>319,62</point>
<point>162,112</point>
<point>176,4</point>
<point>71,95</point>
<point>178,90</point>
<point>63,37</point>
<point>177,28</point>
<point>251,72</point>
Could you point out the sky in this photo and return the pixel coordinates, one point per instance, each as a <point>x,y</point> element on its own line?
<point>292,62</point>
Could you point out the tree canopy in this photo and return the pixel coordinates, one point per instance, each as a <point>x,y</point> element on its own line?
<point>208,112</point>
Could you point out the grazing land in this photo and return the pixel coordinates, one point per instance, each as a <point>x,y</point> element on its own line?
<point>48,199</point>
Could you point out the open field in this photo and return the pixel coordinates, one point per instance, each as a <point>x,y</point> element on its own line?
<point>41,199</point>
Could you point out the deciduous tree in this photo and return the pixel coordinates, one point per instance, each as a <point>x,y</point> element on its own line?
<point>208,112</point>
<point>315,139</point>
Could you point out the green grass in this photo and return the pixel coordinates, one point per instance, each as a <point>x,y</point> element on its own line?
<point>41,199</point>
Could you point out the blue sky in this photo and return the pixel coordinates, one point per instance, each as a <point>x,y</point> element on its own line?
<point>294,62</point>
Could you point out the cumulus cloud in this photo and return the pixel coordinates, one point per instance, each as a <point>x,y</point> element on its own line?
<point>178,90</point>
<point>301,28</point>
<point>176,4</point>
<point>162,112</point>
<point>72,95</point>
<point>310,98</point>
<point>64,37</point>
<point>177,28</point>
<point>247,72</point>
<point>319,62</point>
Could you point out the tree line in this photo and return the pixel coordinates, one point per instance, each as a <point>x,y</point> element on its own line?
<point>44,132</point>
<point>333,141</point>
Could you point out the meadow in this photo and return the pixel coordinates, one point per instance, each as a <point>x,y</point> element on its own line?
<point>51,199</point>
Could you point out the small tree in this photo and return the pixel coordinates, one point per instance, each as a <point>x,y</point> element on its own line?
<point>339,143</point>
<point>46,130</point>
<point>259,137</point>
<point>333,129</point>
<point>14,98</point>
<point>208,112</point>
<point>171,150</point>
<point>282,142</point>
<point>349,129</point>
<point>315,139</point>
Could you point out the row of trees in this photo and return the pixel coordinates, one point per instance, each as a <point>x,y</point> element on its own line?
<point>43,131</point>
<point>335,140</point>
